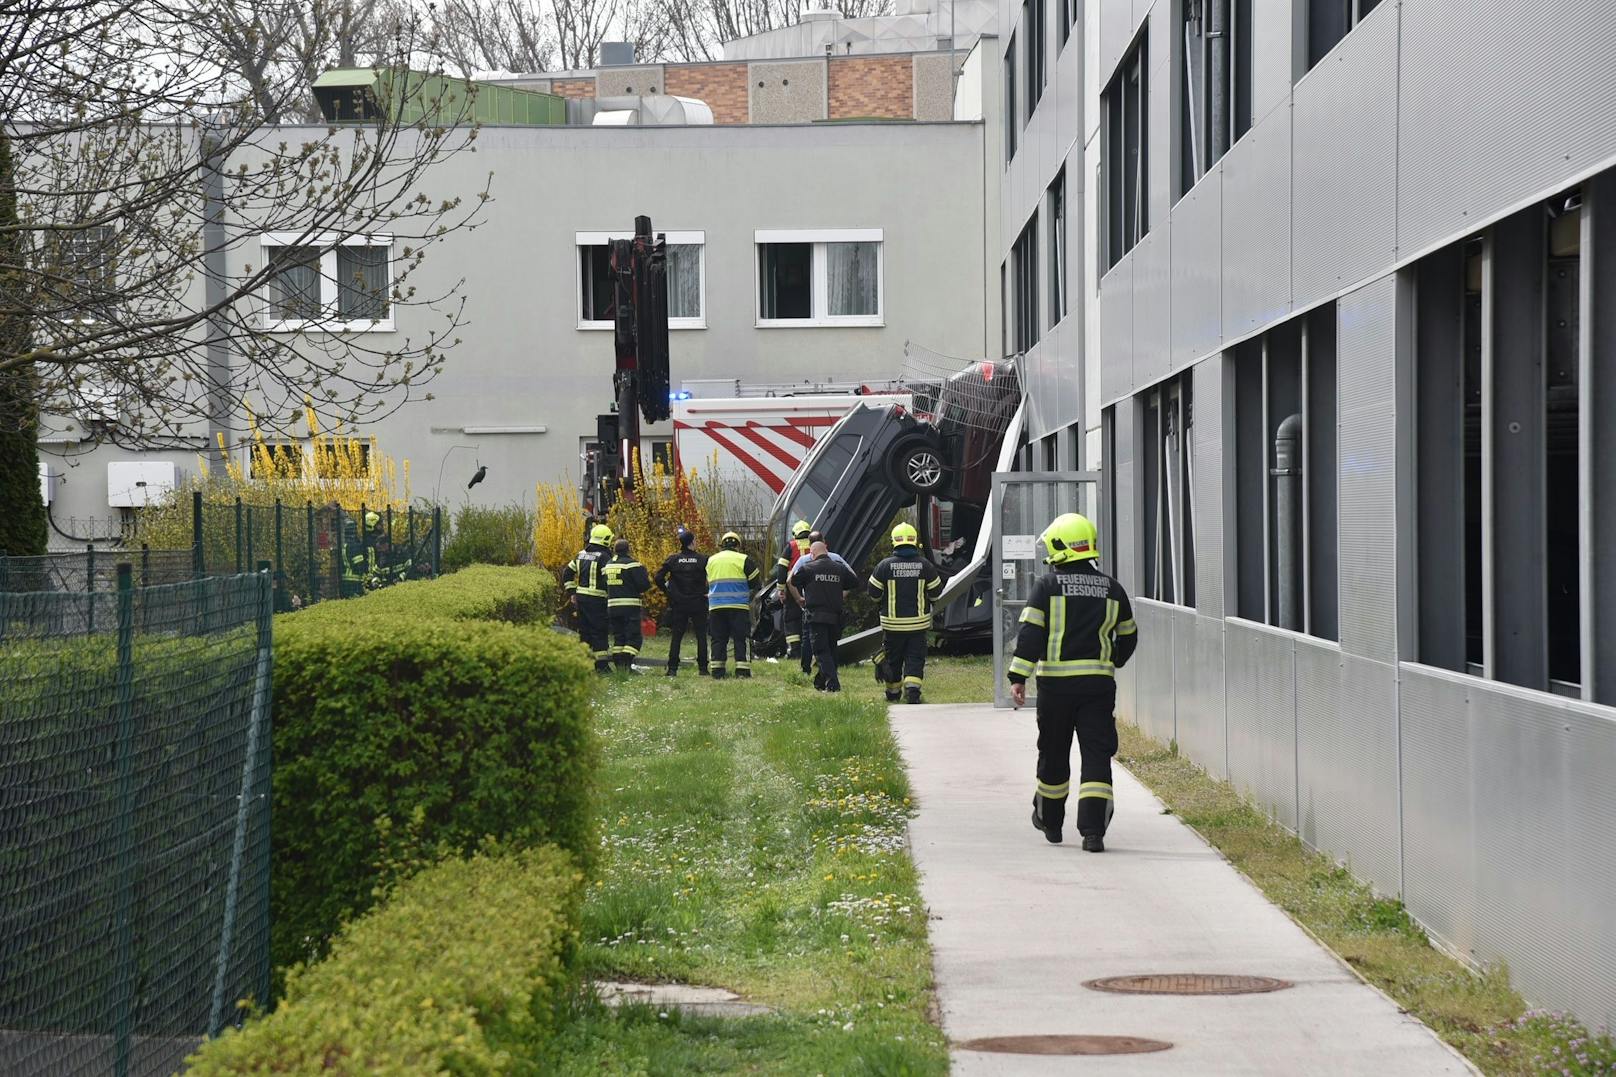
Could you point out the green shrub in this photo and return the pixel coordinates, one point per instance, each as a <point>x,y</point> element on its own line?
<point>456,728</point>
<point>490,536</point>
<point>479,593</point>
<point>459,971</point>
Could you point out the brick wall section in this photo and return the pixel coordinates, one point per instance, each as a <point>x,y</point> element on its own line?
<point>872,86</point>
<point>574,88</point>
<point>721,86</point>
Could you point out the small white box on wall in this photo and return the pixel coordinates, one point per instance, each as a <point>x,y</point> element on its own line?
<point>137,483</point>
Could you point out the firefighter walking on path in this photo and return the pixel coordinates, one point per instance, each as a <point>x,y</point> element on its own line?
<point>906,583</point>
<point>732,576</point>
<point>791,613</point>
<point>585,580</point>
<point>683,578</point>
<point>1076,630</point>
<point>819,587</point>
<point>626,581</point>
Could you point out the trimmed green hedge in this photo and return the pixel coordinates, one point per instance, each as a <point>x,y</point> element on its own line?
<point>460,971</point>
<point>518,595</point>
<point>406,728</point>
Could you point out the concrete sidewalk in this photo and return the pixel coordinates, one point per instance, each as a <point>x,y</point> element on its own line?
<point>1017,926</point>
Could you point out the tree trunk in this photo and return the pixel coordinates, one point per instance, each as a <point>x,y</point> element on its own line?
<point>22,512</point>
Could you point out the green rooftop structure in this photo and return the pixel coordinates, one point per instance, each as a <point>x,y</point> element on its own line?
<point>367,94</point>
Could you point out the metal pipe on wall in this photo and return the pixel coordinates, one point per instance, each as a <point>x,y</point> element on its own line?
<point>1287,521</point>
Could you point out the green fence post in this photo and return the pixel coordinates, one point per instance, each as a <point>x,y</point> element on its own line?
<point>314,576</point>
<point>145,565</point>
<point>250,559</point>
<point>280,554</point>
<point>437,541</point>
<point>198,562</point>
<point>254,756</point>
<point>89,588</point>
<point>123,822</point>
<point>238,536</point>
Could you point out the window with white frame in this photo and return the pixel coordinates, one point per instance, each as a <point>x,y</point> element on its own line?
<point>686,275</point>
<point>329,284</point>
<point>821,277</point>
<point>82,262</point>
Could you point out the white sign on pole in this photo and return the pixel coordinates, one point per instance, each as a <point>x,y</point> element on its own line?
<point>1020,547</point>
<point>1008,570</point>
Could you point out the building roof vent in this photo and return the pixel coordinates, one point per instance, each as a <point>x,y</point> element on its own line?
<point>617,54</point>
<point>814,12</point>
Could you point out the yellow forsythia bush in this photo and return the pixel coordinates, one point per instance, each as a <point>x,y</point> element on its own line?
<point>460,970</point>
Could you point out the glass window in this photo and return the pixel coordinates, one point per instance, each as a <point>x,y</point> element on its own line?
<point>1125,154</point>
<point>294,287</point>
<point>684,280</point>
<point>852,277</point>
<point>596,288</point>
<point>345,283</point>
<point>786,274</point>
<point>361,283</point>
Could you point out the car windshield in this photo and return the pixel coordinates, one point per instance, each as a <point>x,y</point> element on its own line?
<point>827,471</point>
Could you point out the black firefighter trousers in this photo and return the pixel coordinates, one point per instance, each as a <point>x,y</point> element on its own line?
<point>593,629</point>
<point>1088,711</point>
<point>731,625</point>
<point>678,621</point>
<point>906,661</point>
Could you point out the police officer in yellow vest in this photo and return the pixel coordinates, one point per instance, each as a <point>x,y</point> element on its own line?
<point>791,616</point>
<point>1076,629</point>
<point>626,581</point>
<point>585,580</point>
<point>732,576</point>
<point>906,583</point>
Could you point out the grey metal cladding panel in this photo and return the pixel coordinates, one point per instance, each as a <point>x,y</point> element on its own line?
<point>1257,226</point>
<point>1367,451</point>
<point>1272,51</point>
<point>1442,808</point>
<point>1208,491</point>
<point>1153,679</point>
<point>1260,671</point>
<point>1123,557</point>
<point>1550,93</point>
<point>1544,871</point>
<point>1116,330</point>
<point>1198,672</point>
<point>1152,305</point>
<point>1160,128</point>
<point>1116,31</point>
<point>1197,270</point>
<point>1346,750</point>
<point>1042,375</point>
<point>1344,154</point>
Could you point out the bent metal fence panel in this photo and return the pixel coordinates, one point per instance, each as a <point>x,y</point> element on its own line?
<point>134,821</point>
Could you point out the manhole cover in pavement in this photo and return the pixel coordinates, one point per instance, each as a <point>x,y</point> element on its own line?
<point>1064,1045</point>
<point>1188,983</point>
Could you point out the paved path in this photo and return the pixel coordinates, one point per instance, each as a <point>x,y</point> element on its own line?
<point>1019,924</point>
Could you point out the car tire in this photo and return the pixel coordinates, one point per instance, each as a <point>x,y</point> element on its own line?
<point>917,466</point>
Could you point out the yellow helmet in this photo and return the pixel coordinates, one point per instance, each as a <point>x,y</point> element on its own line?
<point>801,528</point>
<point>730,540</point>
<point>905,535</point>
<point>1069,537</point>
<point>600,534</point>
<point>372,518</point>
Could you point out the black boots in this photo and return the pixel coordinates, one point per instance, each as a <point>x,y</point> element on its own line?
<point>1093,843</point>
<point>911,695</point>
<point>1052,834</point>
<point>893,695</point>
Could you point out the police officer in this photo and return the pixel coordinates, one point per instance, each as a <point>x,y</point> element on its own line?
<point>626,581</point>
<point>818,586</point>
<point>585,580</point>
<point>791,617</point>
<point>732,576</point>
<point>1076,629</point>
<point>907,583</point>
<point>683,578</point>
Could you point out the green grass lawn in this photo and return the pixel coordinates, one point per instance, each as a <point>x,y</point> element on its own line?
<point>753,838</point>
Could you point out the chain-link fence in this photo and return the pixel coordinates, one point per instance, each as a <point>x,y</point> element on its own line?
<point>318,552</point>
<point>134,820</point>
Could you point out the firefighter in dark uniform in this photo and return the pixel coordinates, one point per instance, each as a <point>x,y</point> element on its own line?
<point>791,615</point>
<point>819,586</point>
<point>585,580</point>
<point>907,583</point>
<point>683,578</point>
<point>732,576</point>
<point>1076,629</point>
<point>626,581</point>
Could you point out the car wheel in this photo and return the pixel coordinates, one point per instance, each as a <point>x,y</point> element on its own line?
<point>918,467</point>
